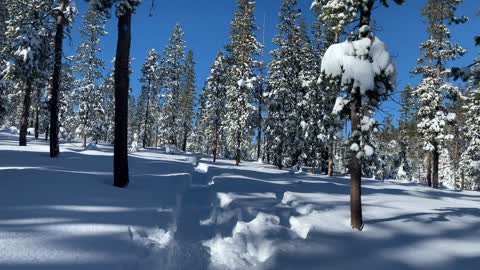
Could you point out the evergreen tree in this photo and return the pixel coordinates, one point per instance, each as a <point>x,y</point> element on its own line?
<point>124,11</point>
<point>433,89</point>
<point>243,48</point>
<point>367,73</point>
<point>215,95</point>
<point>89,67</point>
<point>27,36</point>
<point>172,72</point>
<point>186,100</point>
<point>150,87</point>
<point>286,87</point>
<point>64,13</point>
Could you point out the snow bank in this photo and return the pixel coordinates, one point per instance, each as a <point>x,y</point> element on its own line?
<point>10,130</point>
<point>250,245</point>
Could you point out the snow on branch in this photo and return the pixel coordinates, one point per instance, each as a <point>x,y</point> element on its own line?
<point>361,63</point>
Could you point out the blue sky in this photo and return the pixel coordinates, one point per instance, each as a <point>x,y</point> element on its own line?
<point>206,26</point>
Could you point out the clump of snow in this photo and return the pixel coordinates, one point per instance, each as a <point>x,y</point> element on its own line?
<point>359,62</point>
<point>224,199</point>
<point>340,103</point>
<point>92,147</point>
<point>250,245</point>
<point>171,149</point>
<point>354,147</point>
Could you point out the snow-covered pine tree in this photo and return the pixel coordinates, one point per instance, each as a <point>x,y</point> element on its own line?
<point>66,113</point>
<point>215,101</point>
<point>27,35</point>
<point>367,73</point>
<point>89,67</point>
<point>433,89</point>
<point>199,143</point>
<point>124,11</point>
<point>285,87</point>
<point>243,49</point>
<point>172,70</point>
<point>408,140</point>
<point>187,100</point>
<point>148,95</point>
<point>108,92</point>
<point>470,158</point>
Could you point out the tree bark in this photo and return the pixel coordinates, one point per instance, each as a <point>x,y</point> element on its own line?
<point>57,69</point>
<point>185,136</point>
<point>435,161</point>
<point>237,149</point>
<point>27,100</point>
<point>356,166</point>
<point>428,165</point>
<point>122,83</point>
<point>37,112</point>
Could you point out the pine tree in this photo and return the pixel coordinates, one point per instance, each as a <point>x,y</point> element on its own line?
<point>367,74</point>
<point>186,100</point>
<point>88,67</point>
<point>433,89</point>
<point>64,17</point>
<point>27,36</point>
<point>243,48</point>
<point>125,9</point>
<point>470,158</point>
<point>172,70</point>
<point>215,95</point>
<point>108,92</point>
<point>66,114</point>
<point>285,90</point>
<point>150,87</point>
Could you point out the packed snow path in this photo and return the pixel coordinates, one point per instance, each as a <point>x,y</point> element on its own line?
<point>182,212</point>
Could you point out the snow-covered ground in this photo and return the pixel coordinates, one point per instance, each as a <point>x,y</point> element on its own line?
<point>183,212</point>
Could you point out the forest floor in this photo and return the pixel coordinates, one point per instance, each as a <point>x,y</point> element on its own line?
<point>186,212</point>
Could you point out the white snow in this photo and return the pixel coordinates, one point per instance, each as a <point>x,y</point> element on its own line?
<point>64,213</point>
<point>358,62</point>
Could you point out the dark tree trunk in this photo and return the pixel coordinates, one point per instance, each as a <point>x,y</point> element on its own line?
<point>259,131</point>
<point>122,81</point>
<point>27,100</point>
<point>215,143</point>
<point>435,161</point>
<point>237,149</point>
<point>37,112</point>
<point>429,169</point>
<point>47,130</point>
<point>185,136</point>
<point>57,69</point>
<point>356,167</point>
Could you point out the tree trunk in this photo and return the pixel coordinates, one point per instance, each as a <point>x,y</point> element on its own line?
<point>185,136</point>
<point>237,149</point>
<point>428,165</point>
<point>435,161</point>
<point>122,83</point>
<point>215,143</point>
<point>47,131</point>
<point>37,112</point>
<point>57,69</point>
<point>146,116</point>
<point>25,113</point>
<point>259,131</point>
<point>356,166</point>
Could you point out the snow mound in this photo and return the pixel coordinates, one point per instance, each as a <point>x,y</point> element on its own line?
<point>92,147</point>
<point>152,248</point>
<point>30,131</point>
<point>10,130</point>
<point>171,149</point>
<point>251,244</point>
